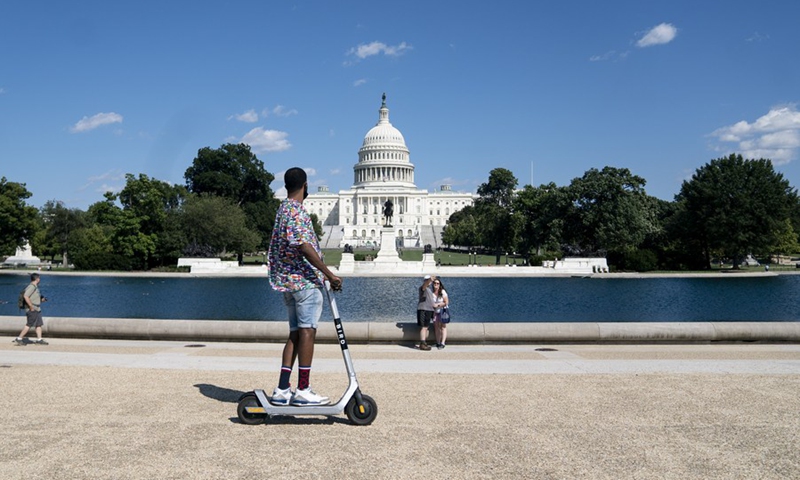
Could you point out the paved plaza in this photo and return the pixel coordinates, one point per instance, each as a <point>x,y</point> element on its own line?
<point>160,409</point>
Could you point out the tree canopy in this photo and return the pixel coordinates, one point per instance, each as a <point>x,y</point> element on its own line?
<point>610,211</point>
<point>495,209</point>
<point>234,172</point>
<point>735,206</point>
<point>18,220</point>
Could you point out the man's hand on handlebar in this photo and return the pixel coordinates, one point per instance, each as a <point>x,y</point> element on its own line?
<point>336,283</point>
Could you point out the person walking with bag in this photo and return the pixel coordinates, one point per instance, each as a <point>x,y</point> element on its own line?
<point>33,299</point>
<point>441,304</point>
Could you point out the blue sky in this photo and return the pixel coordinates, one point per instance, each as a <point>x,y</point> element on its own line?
<point>90,91</point>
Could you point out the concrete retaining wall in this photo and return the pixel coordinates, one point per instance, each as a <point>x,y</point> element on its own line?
<point>241,331</point>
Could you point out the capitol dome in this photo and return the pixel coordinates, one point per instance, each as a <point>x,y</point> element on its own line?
<point>383,157</point>
<point>384,134</point>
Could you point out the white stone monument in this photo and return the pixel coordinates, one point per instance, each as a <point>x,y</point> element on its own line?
<point>388,252</point>
<point>23,256</point>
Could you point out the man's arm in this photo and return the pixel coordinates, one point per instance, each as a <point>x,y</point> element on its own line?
<point>27,298</point>
<point>313,258</point>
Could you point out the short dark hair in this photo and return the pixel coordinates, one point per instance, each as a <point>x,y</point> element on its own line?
<point>34,276</point>
<point>294,178</point>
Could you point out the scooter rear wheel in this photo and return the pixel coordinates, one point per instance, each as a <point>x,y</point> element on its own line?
<point>359,417</point>
<point>247,418</point>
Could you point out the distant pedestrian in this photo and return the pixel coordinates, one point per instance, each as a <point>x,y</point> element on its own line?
<point>33,299</point>
<point>440,301</point>
<point>425,311</point>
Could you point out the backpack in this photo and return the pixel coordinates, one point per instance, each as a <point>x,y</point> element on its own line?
<point>21,304</point>
<point>21,300</point>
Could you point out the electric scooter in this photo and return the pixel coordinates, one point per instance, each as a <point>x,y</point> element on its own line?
<point>255,407</point>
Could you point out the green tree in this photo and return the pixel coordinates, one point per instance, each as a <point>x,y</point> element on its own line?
<point>93,249</point>
<point>495,209</point>
<point>539,214</point>
<point>216,225</point>
<point>463,228</point>
<point>131,242</point>
<point>59,222</point>
<point>155,206</point>
<point>234,172</point>
<point>736,206</point>
<point>609,211</point>
<point>318,230</point>
<point>18,220</point>
<point>105,212</point>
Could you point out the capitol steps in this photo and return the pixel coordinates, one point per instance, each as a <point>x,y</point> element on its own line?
<point>431,235</point>
<point>332,238</point>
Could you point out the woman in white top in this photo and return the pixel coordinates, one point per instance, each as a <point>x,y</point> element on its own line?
<point>440,301</point>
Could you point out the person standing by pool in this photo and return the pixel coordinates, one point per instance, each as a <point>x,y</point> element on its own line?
<point>425,311</point>
<point>296,269</point>
<point>33,299</point>
<point>440,300</point>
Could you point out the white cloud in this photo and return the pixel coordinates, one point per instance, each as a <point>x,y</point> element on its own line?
<point>2,90</point>
<point>775,135</point>
<point>359,82</point>
<point>757,37</point>
<point>281,111</point>
<point>363,51</point>
<point>606,56</point>
<point>249,116</point>
<point>658,35</point>
<point>262,141</point>
<point>335,171</point>
<point>108,188</point>
<point>90,123</point>
<point>109,176</point>
<point>611,55</point>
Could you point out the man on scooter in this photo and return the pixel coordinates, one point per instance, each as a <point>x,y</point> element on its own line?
<point>296,269</point>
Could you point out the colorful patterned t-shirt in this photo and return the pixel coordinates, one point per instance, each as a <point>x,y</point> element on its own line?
<point>289,271</point>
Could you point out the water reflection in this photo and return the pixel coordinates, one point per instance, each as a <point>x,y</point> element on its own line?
<point>394,299</point>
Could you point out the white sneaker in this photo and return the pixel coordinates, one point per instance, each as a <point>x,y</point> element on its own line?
<point>307,397</point>
<point>281,397</point>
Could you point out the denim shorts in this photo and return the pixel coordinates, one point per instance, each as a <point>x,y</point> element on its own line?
<point>304,307</point>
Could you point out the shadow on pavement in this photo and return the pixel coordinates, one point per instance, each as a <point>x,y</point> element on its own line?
<point>220,393</point>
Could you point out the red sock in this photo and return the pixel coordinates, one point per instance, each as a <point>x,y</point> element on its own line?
<point>302,380</point>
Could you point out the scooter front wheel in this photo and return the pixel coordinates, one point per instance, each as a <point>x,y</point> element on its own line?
<point>246,417</point>
<point>363,414</point>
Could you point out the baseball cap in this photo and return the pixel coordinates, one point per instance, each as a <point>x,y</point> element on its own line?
<point>427,277</point>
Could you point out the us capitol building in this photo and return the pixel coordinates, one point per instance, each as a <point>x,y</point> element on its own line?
<point>384,172</point>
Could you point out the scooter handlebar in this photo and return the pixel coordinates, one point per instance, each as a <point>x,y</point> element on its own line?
<point>330,287</point>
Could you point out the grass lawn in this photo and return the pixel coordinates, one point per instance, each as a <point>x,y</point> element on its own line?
<point>334,257</point>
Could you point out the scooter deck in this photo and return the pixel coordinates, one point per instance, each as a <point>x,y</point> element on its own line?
<point>269,408</point>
